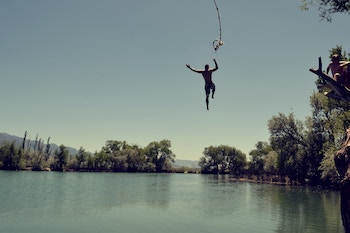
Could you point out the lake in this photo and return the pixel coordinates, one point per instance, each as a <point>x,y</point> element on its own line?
<point>35,202</point>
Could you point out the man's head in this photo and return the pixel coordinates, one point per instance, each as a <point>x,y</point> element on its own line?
<point>206,67</point>
<point>335,57</point>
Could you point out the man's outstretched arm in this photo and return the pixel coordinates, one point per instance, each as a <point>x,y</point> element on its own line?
<point>216,65</point>
<point>194,70</point>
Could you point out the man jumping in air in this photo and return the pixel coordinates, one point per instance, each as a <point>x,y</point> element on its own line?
<point>206,73</point>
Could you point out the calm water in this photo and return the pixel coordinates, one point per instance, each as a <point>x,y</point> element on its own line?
<point>109,202</point>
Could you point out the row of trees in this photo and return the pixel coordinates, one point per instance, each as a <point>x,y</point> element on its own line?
<point>115,156</point>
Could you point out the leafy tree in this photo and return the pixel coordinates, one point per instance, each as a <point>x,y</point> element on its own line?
<point>118,161</point>
<point>222,159</point>
<point>149,167</point>
<point>213,160</point>
<point>329,173</point>
<point>203,163</point>
<point>81,158</point>
<point>327,8</point>
<point>114,156</point>
<point>11,157</point>
<point>60,158</point>
<point>113,146</point>
<point>72,163</point>
<point>237,161</point>
<point>271,163</point>
<point>90,162</point>
<point>288,140</point>
<point>159,154</point>
<point>256,164</point>
<point>135,158</point>
<point>101,161</point>
<point>37,159</point>
<point>325,133</point>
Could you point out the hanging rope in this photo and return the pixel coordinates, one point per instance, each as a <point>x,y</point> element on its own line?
<point>218,42</point>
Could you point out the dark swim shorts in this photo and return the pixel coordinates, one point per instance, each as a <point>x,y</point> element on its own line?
<point>209,86</point>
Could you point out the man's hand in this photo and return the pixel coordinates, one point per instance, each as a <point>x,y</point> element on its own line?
<point>216,64</point>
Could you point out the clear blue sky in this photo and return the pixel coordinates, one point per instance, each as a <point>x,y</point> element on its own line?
<point>85,71</point>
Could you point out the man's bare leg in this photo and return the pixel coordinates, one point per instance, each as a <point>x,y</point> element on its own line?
<point>207,101</point>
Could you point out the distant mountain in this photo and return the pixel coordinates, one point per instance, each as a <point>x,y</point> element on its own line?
<point>4,137</point>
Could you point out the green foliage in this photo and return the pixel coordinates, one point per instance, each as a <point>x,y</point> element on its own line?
<point>36,158</point>
<point>36,161</point>
<point>60,158</point>
<point>118,156</point>
<point>222,159</point>
<point>329,173</point>
<point>11,157</point>
<point>159,154</point>
<point>114,146</point>
<point>288,140</point>
<point>339,51</point>
<point>135,159</point>
<point>81,158</point>
<point>301,146</point>
<point>327,8</point>
<point>257,158</point>
<point>270,163</point>
<point>115,156</point>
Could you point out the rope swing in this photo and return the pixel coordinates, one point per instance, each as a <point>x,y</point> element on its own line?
<point>218,42</point>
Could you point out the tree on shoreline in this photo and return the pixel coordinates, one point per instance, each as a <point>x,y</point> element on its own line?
<point>159,154</point>
<point>288,140</point>
<point>222,160</point>
<point>60,159</point>
<point>258,159</point>
<point>11,157</point>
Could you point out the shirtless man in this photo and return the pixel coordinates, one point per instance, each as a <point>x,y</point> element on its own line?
<point>209,85</point>
<point>338,68</point>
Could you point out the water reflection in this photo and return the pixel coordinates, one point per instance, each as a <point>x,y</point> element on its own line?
<point>161,202</point>
<point>289,209</point>
<point>305,210</point>
<point>56,194</point>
